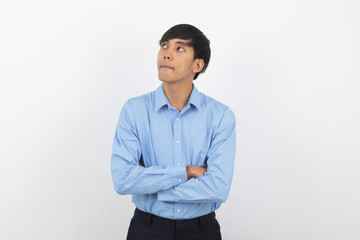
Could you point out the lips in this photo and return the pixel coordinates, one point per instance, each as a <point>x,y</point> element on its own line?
<point>166,66</point>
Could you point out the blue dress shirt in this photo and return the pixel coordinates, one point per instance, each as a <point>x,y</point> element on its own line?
<point>154,143</point>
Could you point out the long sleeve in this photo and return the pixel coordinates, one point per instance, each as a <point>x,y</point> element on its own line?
<point>130,178</point>
<point>215,185</point>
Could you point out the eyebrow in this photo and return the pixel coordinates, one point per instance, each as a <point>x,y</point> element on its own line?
<point>183,43</point>
<point>179,42</point>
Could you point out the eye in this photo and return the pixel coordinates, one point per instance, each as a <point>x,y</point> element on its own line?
<point>163,45</point>
<point>180,49</point>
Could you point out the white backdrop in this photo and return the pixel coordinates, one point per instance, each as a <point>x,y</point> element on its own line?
<point>288,69</point>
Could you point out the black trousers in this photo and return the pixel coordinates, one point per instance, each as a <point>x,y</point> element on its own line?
<point>150,227</point>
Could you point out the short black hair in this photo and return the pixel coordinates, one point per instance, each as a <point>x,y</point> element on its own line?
<point>199,42</point>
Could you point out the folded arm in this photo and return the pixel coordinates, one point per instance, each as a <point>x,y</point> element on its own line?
<point>128,176</point>
<point>214,186</point>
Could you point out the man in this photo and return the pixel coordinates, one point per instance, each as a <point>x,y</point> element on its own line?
<point>174,148</point>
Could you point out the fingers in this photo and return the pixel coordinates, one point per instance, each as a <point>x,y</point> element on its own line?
<point>195,171</point>
<point>202,171</point>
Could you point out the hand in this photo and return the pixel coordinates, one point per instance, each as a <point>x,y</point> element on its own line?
<point>193,171</point>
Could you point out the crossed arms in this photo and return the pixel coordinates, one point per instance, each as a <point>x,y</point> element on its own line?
<point>190,184</point>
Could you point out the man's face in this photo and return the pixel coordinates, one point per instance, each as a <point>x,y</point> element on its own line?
<point>176,61</point>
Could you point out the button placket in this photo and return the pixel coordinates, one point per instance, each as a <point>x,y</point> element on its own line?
<point>177,141</point>
<point>178,210</point>
<point>178,156</point>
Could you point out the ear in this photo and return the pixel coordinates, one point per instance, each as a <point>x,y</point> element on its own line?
<point>198,65</point>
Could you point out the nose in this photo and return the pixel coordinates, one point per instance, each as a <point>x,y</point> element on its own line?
<point>167,55</point>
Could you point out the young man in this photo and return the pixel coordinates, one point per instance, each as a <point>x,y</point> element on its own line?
<point>174,148</point>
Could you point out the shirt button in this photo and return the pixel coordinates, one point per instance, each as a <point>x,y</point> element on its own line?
<point>177,141</point>
<point>180,179</point>
<point>178,164</point>
<point>178,210</point>
<point>159,187</point>
<point>177,119</point>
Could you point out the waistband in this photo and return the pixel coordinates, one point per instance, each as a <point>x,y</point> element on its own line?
<point>186,223</point>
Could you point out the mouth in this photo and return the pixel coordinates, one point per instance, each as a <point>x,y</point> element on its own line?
<point>166,66</point>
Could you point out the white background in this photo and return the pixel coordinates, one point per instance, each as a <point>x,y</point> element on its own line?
<point>288,69</point>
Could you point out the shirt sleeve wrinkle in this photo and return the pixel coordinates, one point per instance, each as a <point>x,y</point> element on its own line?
<point>128,177</point>
<point>220,124</point>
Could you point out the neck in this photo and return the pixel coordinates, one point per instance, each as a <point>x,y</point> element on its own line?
<point>178,94</point>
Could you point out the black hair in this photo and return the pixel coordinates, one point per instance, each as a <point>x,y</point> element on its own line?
<point>199,42</point>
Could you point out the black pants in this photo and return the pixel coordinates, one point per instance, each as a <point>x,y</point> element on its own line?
<point>150,227</point>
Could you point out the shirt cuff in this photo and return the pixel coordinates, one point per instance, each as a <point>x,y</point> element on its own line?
<point>178,175</point>
<point>166,195</point>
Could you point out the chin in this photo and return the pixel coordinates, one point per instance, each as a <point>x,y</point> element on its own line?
<point>165,79</point>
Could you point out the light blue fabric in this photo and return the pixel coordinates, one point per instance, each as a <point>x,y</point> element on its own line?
<point>154,143</point>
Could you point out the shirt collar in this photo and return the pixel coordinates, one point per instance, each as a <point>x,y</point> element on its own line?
<point>195,97</point>
<point>161,99</point>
